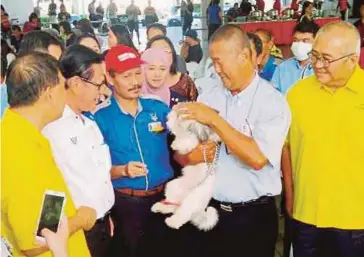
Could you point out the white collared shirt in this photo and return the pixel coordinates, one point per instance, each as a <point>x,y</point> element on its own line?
<point>84,160</point>
<point>260,112</point>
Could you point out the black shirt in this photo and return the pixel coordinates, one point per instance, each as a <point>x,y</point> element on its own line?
<point>64,16</point>
<point>195,54</point>
<point>16,43</point>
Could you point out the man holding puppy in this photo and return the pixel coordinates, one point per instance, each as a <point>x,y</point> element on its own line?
<point>252,119</point>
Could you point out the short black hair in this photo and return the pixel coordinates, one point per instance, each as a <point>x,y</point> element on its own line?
<point>84,26</point>
<point>78,39</point>
<point>123,35</point>
<point>33,16</point>
<point>173,68</point>
<point>66,26</point>
<point>28,76</point>
<point>258,44</point>
<point>16,27</point>
<point>38,41</point>
<point>307,27</point>
<point>4,67</point>
<point>77,61</point>
<point>159,26</point>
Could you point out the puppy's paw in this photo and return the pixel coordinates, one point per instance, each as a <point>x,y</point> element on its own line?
<point>157,207</point>
<point>173,222</point>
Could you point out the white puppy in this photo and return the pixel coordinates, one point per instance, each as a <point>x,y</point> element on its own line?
<point>187,197</point>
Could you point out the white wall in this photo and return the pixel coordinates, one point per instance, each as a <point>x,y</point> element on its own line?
<point>20,9</point>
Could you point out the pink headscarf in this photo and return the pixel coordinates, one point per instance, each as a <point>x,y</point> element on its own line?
<point>150,56</point>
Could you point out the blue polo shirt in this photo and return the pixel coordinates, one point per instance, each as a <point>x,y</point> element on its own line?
<point>269,68</point>
<point>125,133</point>
<point>4,99</point>
<point>288,73</point>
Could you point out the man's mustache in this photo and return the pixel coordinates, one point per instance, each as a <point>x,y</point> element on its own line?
<point>135,87</point>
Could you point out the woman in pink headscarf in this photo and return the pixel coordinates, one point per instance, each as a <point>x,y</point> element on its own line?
<point>155,72</point>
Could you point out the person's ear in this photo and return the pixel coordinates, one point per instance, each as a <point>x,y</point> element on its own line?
<point>73,83</point>
<point>109,79</point>
<point>353,60</point>
<point>244,55</point>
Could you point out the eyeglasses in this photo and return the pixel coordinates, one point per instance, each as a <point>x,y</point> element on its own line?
<point>93,83</point>
<point>325,63</point>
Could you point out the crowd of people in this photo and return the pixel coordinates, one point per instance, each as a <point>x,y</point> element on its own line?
<point>92,124</point>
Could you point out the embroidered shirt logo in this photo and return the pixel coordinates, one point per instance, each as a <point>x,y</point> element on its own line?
<point>73,140</point>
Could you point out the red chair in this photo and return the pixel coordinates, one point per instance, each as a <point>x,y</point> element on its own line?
<point>361,60</point>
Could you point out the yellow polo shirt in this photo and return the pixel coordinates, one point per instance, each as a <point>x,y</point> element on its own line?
<point>327,150</point>
<point>27,171</point>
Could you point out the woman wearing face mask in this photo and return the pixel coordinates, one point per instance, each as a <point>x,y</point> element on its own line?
<point>291,70</point>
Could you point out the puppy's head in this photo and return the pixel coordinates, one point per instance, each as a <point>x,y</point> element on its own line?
<point>179,126</point>
<point>173,121</point>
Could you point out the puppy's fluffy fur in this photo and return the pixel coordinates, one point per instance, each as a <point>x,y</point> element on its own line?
<point>187,197</point>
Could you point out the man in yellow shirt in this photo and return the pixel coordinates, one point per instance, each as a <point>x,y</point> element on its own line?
<point>36,97</point>
<point>325,149</point>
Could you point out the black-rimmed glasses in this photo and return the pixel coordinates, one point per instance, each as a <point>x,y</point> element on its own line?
<point>94,83</point>
<point>325,63</point>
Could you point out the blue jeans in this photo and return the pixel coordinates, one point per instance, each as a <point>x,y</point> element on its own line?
<point>311,241</point>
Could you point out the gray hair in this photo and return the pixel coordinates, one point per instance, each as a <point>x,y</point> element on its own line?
<point>350,33</point>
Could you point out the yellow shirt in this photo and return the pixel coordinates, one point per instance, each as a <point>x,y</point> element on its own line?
<point>327,150</point>
<point>27,171</point>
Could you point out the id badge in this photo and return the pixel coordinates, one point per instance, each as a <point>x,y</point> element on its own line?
<point>155,127</point>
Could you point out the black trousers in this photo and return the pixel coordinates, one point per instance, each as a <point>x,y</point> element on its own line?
<point>138,231</point>
<point>212,28</point>
<point>343,15</point>
<point>250,230</point>
<point>187,24</point>
<point>310,241</point>
<point>133,26</point>
<point>99,239</point>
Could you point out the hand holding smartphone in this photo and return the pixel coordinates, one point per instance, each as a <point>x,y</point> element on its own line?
<point>57,242</point>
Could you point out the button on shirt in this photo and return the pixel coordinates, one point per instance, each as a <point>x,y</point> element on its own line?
<point>269,68</point>
<point>259,111</point>
<point>84,159</point>
<point>288,73</point>
<point>135,139</point>
<point>327,149</point>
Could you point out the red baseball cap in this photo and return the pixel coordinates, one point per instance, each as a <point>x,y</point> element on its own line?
<point>121,58</point>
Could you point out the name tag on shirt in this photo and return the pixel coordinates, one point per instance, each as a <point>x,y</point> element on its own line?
<point>155,127</point>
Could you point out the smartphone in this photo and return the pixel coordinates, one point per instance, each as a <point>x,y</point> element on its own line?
<point>51,212</point>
